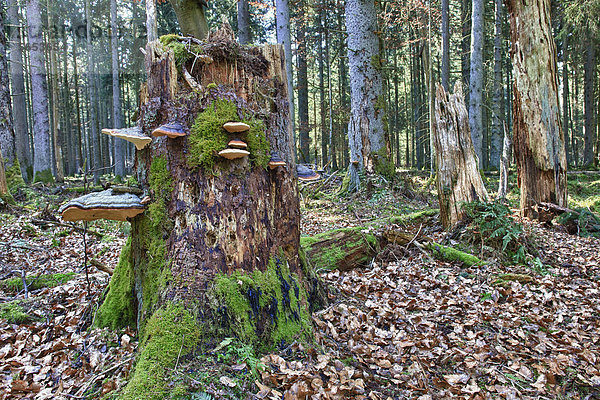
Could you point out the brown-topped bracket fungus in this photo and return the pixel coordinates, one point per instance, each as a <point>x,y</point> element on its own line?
<point>102,205</point>
<point>306,174</point>
<point>171,130</point>
<point>276,161</point>
<point>354,162</point>
<point>234,127</point>
<point>232,154</point>
<point>133,135</point>
<point>237,144</point>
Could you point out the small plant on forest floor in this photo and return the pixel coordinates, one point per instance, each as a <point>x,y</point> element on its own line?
<point>232,350</point>
<point>490,225</point>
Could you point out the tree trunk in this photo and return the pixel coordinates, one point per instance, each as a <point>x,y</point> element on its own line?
<point>284,37</point>
<point>538,137</point>
<point>589,86</point>
<point>42,165</point>
<point>565,101</point>
<point>465,43</point>
<point>7,134</point>
<point>476,79</point>
<point>19,110</point>
<point>151,27</point>
<point>54,106</point>
<point>303,125</point>
<point>216,253</point>
<point>446,43</point>
<point>504,166</point>
<point>322,102</point>
<point>368,143</point>
<point>190,14</point>
<point>116,92</point>
<point>93,137</point>
<point>458,178</point>
<point>243,19</point>
<point>5,195</point>
<point>497,102</point>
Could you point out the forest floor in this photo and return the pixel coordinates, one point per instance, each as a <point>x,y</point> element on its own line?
<point>406,326</point>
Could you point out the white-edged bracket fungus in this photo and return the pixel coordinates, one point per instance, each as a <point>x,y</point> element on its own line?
<point>133,135</point>
<point>233,127</point>
<point>306,174</point>
<point>232,154</point>
<point>276,161</point>
<point>171,130</point>
<point>237,144</point>
<point>102,205</point>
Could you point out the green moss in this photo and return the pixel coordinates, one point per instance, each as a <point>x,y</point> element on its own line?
<point>383,165</point>
<point>377,62</point>
<point>414,217</point>
<point>14,178</point>
<point>452,255</point>
<point>265,309</point>
<point>14,313</point>
<point>182,52</point>
<point>118,309</point>
<point>44,176</point>
<point>330,256</point>
<point>211,86</point>
<point>172,332</point>
<point>207,136</point>
<point>14,285</point>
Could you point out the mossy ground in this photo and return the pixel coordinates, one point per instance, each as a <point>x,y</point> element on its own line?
<point>44,176</point>
<point>14,313</point>
<point>330,258</point>
<point>451,254</point>
<point>14,285</point>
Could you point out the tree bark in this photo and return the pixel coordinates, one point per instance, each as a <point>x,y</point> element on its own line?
<point>243,19</point>
<point>538,137</point>
<point>190,14</point>
<point>93,137</point>
<point>42,165</point>
<point>458,178</point>
<point>7,134</point>
<point>476,79</point>
<point>446,43</point>
<point>284,37</point>
<point>59,170</point>
<point>497,115</point>
<point>589,103</point>
<point>116,92</point>
<point>303,124</point>
<point>504,166</point>
<point>19,110</point>
<point>367,140</point>
<point>218,245</point>
<point>465,43</point>
<point>151,27</point>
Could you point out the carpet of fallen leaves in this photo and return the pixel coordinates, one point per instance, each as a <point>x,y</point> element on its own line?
<point>406,327</point>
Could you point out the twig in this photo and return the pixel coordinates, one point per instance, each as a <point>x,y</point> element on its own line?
<point>101,267</point>
<point>24,279</point>
<point>85,257</point>
<point>76,228</point>
<point>95,378</point>
<point>181,348</point>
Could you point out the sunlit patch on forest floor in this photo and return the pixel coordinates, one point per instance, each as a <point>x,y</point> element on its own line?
<point>404,327</point>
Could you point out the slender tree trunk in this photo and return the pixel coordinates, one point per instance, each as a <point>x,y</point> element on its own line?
<point>538,136</point>
<point>589,86</point>
<point>79,141</point>
<point>504,165</point>
<point>322,102</point>
<point>116,92</point>
<point>344,88</point>
<point>465,43</point>
<point>497,115</point>
<point>42,165</point>
<point>7,134</point>
<point>54,106</point>
<point>71,147</point>
<point>243,19</point>
<point>94,137</point>
<point>284,38</point>
<point>476,79</point>
<point>303,125</point>
<point>367,140</point>
<point>446,43</point>
<point>565,100</point>
<point>151,27</point>
<point>19,110</point>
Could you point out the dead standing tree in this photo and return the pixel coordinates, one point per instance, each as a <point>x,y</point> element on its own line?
<point>215,254</point>
<point>458,178</point>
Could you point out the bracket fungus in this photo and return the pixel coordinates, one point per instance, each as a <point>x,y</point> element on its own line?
<point>232,154</point>
<point>133,135</point>
<point>102,205</point>
<point>171,130</point>
<point>237,144</point>
<point>234,127</point>
<point>276,161</point>
<point>306,174</point>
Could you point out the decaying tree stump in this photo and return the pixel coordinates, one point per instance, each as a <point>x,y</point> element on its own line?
<point>458,178</point>
<point>216,253</point>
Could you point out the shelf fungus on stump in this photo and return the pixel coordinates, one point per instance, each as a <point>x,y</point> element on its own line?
<point>306,174</point>
<point>172,130</point>
<point>102,205</point>
<point>232,154</point>
<point>133,135</point>
<point>235,127</point>
<point>237,144</point>
<point>276,161</point>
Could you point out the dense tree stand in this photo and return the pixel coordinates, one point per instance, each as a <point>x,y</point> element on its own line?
<point>216,252</point>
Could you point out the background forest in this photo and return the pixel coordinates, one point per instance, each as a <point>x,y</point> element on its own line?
<point>85,54</point>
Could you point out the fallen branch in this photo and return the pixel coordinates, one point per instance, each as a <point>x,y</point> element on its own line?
<point>102,267</point>
<point>76,228</point>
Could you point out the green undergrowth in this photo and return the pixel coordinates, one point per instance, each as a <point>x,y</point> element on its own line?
<point>118,309</point>
<point>44,176</point>
<point>14,285</point>
<point>414,217</point>
<point>170,334</point>
<point>334,252</point>
<point>182,52</point>
<point>14,178</point>
<point>451,254</point>
<point>14,313</point>
<point>584,191</point>
<point>265,308</point>
<point>207,136</point>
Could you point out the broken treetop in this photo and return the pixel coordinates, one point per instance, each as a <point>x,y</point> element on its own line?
<point>102,205</point>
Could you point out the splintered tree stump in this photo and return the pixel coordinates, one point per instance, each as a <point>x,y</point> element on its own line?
<point>216,253</point>
<point>458,178</point>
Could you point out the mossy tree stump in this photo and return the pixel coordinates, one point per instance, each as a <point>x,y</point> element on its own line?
<point>216,252</point>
